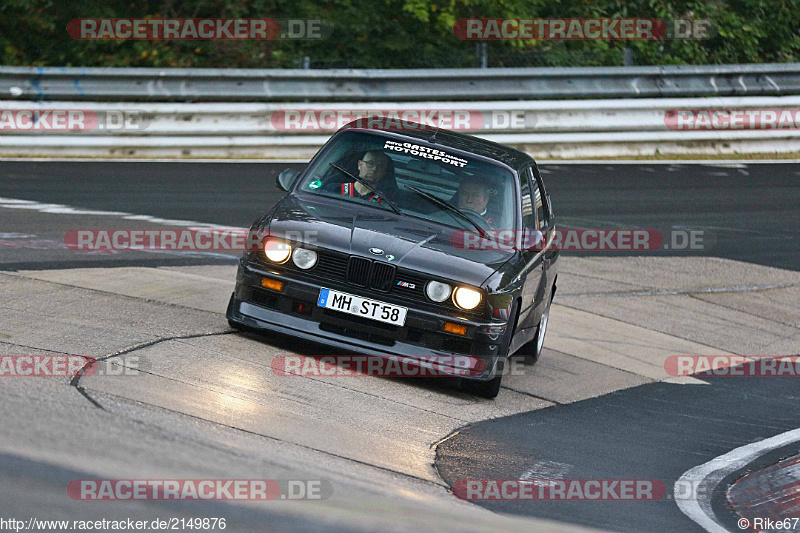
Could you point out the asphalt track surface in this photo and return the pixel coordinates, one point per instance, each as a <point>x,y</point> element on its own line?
<point>596,406</point>
<point>656,431</point>
<point>747,213</point>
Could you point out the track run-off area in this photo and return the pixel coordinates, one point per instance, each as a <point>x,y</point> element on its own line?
<point>201,401</point>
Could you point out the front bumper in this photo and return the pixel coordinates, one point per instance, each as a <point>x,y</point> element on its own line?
<point>293,311</point>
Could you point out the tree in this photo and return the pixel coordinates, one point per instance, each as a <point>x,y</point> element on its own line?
<point>397,33</point>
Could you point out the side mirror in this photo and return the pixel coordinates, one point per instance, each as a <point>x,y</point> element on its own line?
<point>532,240</point>
<point>286,179</point>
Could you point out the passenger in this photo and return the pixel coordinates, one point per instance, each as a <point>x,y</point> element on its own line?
<point>473,195</point>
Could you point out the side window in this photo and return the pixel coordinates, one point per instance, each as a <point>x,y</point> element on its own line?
<point>528,213</point>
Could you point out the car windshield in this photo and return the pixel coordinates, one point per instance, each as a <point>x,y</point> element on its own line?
<point>420,179</point>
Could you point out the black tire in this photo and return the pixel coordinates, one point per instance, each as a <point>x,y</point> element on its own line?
<point>485,389</point>
<point>246,329</point>
<point>490,389</point>
<point>532,350</point>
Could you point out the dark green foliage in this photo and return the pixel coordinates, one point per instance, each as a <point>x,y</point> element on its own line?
<point>396,33</point>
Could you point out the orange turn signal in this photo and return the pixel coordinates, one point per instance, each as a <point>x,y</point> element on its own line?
<point>273,284</point>
<point>458,329</point>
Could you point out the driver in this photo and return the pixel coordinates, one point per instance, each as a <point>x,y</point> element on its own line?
<point>374,167</point>
<point>472,194</point>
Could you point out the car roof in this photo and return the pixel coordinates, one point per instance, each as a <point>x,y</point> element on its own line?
<point>512,157</point>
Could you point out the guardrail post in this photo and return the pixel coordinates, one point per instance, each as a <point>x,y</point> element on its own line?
<point>481,52</point>
<point>627,57</point>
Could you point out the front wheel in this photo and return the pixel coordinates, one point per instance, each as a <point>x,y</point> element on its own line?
<point>533,349</point>
<point>490,389</point>
<point>486,389</point>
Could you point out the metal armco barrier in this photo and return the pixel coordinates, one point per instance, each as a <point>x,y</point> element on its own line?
<point>551,129</point>
<point>239,85</point>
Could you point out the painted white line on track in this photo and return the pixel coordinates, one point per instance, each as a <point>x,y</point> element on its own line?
<point>60,209</point>
<point>685,380</point>
<point>736,163</point>
<point>143,160</point>
<point>709,475</point>
<point>673,292</point>
<point>546,470</point>
<point>702,162</point>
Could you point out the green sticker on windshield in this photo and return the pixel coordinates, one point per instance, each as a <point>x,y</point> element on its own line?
<point>316,184</point>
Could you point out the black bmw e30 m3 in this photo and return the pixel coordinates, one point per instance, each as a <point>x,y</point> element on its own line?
<point>407,241</point>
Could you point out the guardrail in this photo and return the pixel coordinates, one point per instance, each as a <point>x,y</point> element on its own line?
<point>551,129</point>
<point>239,85</point>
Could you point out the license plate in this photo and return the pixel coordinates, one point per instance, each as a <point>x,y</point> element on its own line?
<point>364,307</point>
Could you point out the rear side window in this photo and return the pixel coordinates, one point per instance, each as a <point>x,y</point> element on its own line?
<point>532,209</point>
<point>528,213</point>
<point>540,203</point>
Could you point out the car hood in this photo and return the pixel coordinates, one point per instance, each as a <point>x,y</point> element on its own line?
<point>414,243</point>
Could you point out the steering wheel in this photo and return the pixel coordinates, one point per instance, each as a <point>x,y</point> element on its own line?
<point>477,218</point>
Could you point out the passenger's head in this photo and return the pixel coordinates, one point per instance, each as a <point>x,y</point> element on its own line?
<point>472,194</point>
<point>373,166</point>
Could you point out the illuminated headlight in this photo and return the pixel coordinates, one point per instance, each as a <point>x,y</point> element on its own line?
<point>277,251</point>
<point>466,298</point>
<point>303,258</point>
<point>437,291</point>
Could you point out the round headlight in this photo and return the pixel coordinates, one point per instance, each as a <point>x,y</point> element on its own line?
<point>437,291</point>
<point>303,258</point>
<point>466,298</point>
<point>277,251</point>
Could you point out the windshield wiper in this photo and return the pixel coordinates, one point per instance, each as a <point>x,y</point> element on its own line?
<point>450,207</point>
<point>368,186</point>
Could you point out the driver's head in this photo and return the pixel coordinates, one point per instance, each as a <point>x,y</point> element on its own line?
<point>372,166</point>
<point>472,194</point>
